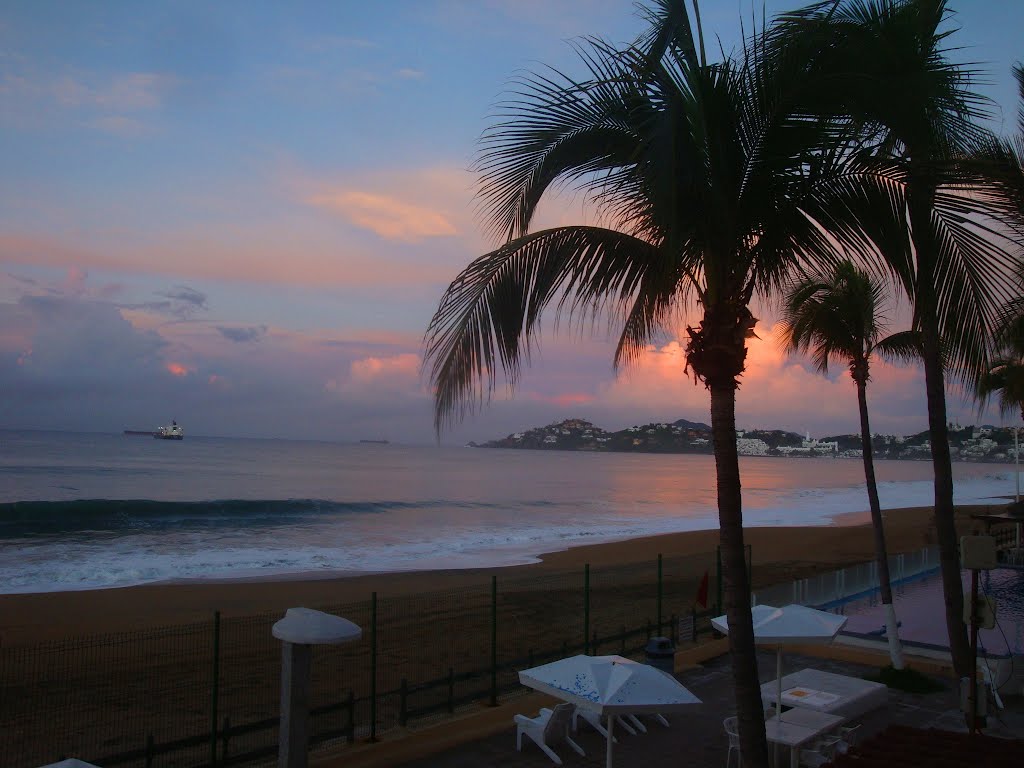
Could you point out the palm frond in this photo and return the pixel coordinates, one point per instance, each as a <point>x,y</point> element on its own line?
<point>491,312</point>
<point>900,347</point>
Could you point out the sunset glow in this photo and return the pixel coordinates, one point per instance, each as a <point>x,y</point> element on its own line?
<point>256,212</point>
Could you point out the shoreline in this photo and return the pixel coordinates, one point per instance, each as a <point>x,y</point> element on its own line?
<point>837,519</point>
<point>778,554</point>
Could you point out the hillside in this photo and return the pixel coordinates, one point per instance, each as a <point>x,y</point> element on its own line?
<point>985,443</point>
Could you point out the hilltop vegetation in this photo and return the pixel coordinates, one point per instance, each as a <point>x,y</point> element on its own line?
<point>984,443</point>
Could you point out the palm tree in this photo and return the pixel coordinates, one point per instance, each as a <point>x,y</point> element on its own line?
<point>884,63</point>
<point>1008,154</point>
<point>1005,377</point>
<point>838,317</point>
<point>716,193</point>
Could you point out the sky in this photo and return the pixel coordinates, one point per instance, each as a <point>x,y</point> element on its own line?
<point>242,215</point>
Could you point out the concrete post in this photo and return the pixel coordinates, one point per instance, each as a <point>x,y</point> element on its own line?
<point>300,630</point>
<point>293,740</point>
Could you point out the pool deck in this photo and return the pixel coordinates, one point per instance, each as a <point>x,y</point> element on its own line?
<point>487,737</point>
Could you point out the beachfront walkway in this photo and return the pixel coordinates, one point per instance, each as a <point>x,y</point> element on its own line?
<point>697,739</point>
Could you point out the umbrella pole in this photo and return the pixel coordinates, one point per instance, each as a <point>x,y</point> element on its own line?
<point>778,695</point>
<point>611,739</point>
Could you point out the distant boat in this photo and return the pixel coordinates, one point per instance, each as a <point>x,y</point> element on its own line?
<point>170,432</point>
<point>378,442</point>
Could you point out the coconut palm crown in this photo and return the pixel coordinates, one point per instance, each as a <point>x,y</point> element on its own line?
<point>839,316</point>
<point>949,237</point>
<point>715,191</point>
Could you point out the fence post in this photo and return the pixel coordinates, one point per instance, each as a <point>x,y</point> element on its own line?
<point>403,706</point>
<point>225,735</point>
<point>149,750</point>
<point>373,667</point>
<point>494,640</point>
<point>215,688</point>
<point>659,593</point>
<point>718,580</point>
<point>673,631</point>
<point>451,690</point>
<point>593,644</point>
<point>351,725</point>
<point>586,608</point>
<point>693,623</point>
<point>622,640</point>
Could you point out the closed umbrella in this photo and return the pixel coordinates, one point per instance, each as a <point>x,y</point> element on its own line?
<point>609,685</point>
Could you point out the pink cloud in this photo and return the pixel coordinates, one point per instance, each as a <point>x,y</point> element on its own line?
<point>775,391</point>
<point>377,378</point>
<point>254,259</point>
<point>126,92</point>
<point>120,125</point>
<point>572,398</point>
<point>178,370</point>
<point>371,369</point>
<point>389,217</point>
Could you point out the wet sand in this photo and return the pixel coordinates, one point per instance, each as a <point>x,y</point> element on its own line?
<point>778,553</point>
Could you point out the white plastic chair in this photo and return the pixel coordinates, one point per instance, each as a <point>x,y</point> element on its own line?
<point>734,741</point>
<point>823,751</point>
<point>639,725</point>
<point>550,728</point>
<point>593,720</point>
<point>848,735</point>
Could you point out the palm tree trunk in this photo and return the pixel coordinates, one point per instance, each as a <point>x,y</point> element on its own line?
<point>881,552</point>
<point>743,652</point>
<point>945,522</point>
<point>920,199</point>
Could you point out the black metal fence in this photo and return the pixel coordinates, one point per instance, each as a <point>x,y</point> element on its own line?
<point>208,694</point>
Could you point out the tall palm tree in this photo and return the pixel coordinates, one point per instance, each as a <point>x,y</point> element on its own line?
<point>716,193</point>
<point>1008,153</point>
<point>838,316</point>
<point>1005,377</point>
<point>884,63</point>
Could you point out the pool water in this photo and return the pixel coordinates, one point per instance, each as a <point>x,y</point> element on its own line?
<point>920,611</point>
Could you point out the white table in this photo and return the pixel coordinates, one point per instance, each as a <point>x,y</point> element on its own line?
<point>796,727</point>
<point>810,698</point>
<point>71,762</point>
<point>853,696</point>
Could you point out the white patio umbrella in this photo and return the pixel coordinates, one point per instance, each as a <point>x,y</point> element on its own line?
<point>609,685</point>
<point>790,625</point>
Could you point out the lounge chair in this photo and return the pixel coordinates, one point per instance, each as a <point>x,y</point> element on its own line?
<point>550,728</point>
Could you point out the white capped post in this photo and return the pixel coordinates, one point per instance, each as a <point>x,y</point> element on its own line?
<point>300,630</point>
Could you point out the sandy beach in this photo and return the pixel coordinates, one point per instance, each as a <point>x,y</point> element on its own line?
<point>120,666</point>
<point>779,554</point>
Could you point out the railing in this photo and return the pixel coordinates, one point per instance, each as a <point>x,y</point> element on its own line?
<point>827,590</point>
<point>208,694</point>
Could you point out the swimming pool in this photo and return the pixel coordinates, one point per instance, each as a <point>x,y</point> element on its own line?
<point>920,611</point>
<point>922,617</point>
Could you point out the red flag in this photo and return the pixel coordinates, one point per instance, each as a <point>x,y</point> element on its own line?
<point>702,591</point>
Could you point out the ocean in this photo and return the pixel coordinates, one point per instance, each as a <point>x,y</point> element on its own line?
<point>80,511</point>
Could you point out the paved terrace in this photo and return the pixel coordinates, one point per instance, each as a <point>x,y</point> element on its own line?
<point>694,739</point>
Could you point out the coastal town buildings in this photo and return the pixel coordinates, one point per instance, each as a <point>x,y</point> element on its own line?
<point>985,443</point>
